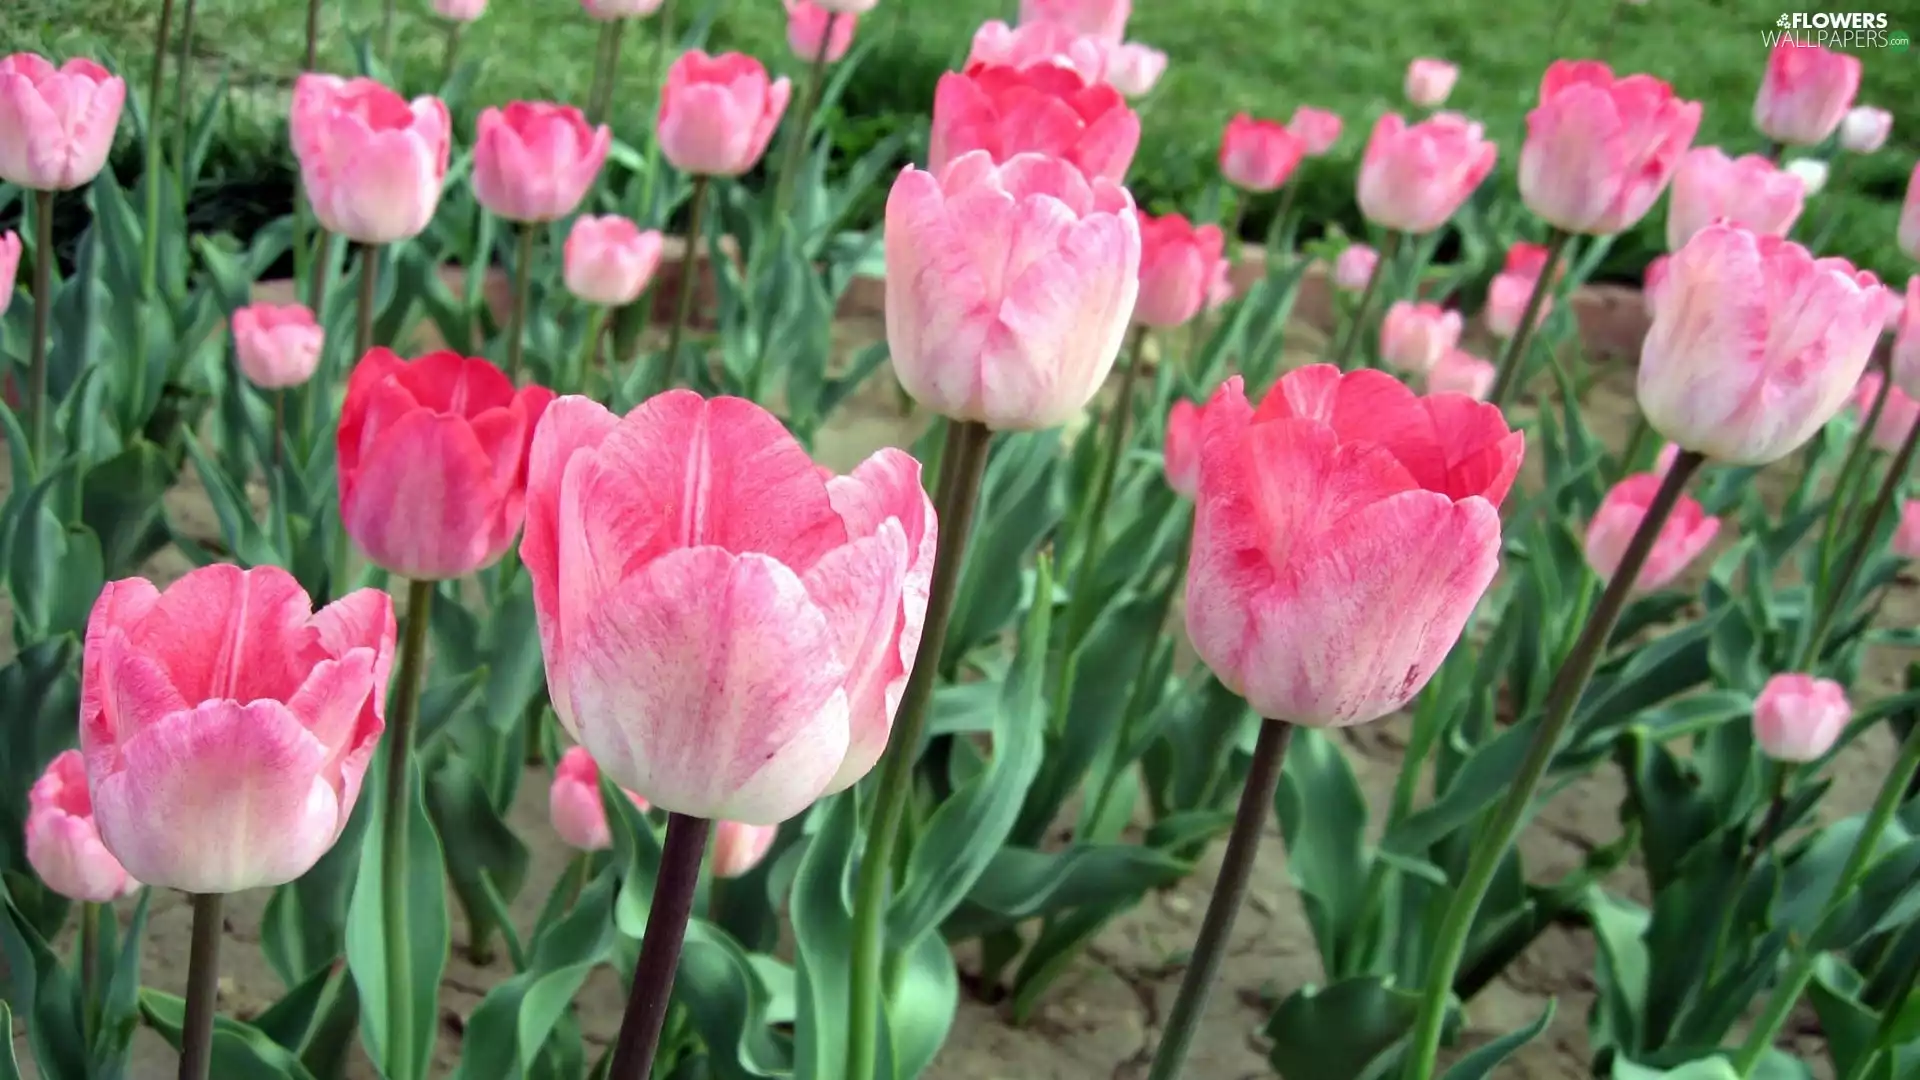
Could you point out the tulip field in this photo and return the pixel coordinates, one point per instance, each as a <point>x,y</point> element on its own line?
<point>706,597</point>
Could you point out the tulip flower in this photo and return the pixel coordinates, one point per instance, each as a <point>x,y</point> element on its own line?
<point>1806,92</point>
<point>63,841</point>
<point>608,10</point>
<point>1318,129</point>
<point>1354,267</point>
<point>56,124</point>
<point>1599,150</point>
<point>1750,191</point>
<point>1414,178</point>
<point>1864,129</point>
<point>1103,19</point>
<point>573,802</point>
<point>1041,43</point>
<point>1133,69</point>
<point>1414,336</point>
<point>609,261</point>
<point>1179,264</point>
<point>1651,281</point>
<point>739,847</point>
<point>227,725</point>
<point>1755,344</point>
<point>1344,531</point>
<point>848,7</point>
<point>1461,372</point>
<point>1429,82</point>
<point>432,461</point>
<point>9,266</point>
<point>1046,109</point>
<point>371,163</point>
<point>1909,230</point>
<point>1686,533</point>
<point>1797,718</point>
<point>1897,416</point>
<point>1182,464</point>
<point>1906,538</point>
<point>717,113</point>
<point>278,344</point>
<point>1664,461</point>
<point>534,161</point>
<point>1259,155</point>
<point>1809,173</point>
<point>460,10</point>
<point>1513,287</point>
<point>1009,287</point>
<point>808,24</point>
<point>1906,342</point>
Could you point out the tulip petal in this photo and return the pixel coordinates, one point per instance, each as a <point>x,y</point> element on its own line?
<point>571,425</point>
<point>254,619</point>
<point>425,498</point>
<point>859,589</point>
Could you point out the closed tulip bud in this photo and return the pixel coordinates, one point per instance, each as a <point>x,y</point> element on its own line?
<point>1044,109</point>
<point>278,344</point>
<point>9,267</point>
<point>433,457</point>
<point>533,161</point>
<point>1805,93</point>
<point>371,162</point>
<point>1009,287</point>
<point>726,630</point>
<point>1354,267</point>
<point>1133,69</point>
<point>609,10</point>
<point>1179,266</point>
<point>1797,718</point>
<point>738,847</point>
<point>1686,533</point>
<point>460,10</point>
<point>227,725</point>
<point>1750,191</point>
<point>808,24</point>
<point>1318,129</point>
<point>1461,372</point>
<point>1414,178</point>
<point>1755,344</point>
<point>1103,19</point>
<point>1259,155</point>
<point>609,261</point>
<point>1600,150</point>
<point>1042,43</point>
<point>1343,534</point>
<point>1865,129</point>
<point>1909,230</point>
<point>1512,289</point>
<point>1430,82</point>
<point>573,802</point>
<point>1414,336</point>
<point>1897,416</point>
<point>63,842</point>
<point>1906,538</point>
<point>1183,447</point>
<point>1906,341</point>
<point>717,113</point>
<point>56,124</point>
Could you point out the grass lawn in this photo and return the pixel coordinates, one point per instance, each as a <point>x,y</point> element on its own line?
<point>1264,56</point>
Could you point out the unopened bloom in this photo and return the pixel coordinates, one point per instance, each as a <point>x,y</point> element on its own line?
<point>1897,416</point>
<point>63,842</point>
<point>717,113</point>
<point>1183,447</point>
<point>1429,82</point>
<point>1354,267</point>
<point>1040,43</point>
<point>1600,149</point>
<point>1259,155</point>
<point>1317,128</point>
<point>1751,191</point>
<point>1414,178</point>
<point>1685,534</point>
<point>1179,265</point>
<point>1805,93</point>
<point>1414,336</point>
<point>534,161</point>
<point>1809,173</point>
<point>573,802</point>
<point>1512,289</point>
<point>1909,230</point>
<point>1865,129</point>
<point>460,10</point>
<point>1044,109</point>
<point>371,162</point>
<point>808,26</point>
<point>609,260</point>
<point>1906,538</point>
<point>1133,69</point>
<point>278,345</point>
<point>608,10</point>
<point>1797,718</point>
<point>56,124</point>
<point>1103,19</point>
<point>739,847</point>
<point>1906,340</point>
<point>1461,372</point>
<point>9,266</point>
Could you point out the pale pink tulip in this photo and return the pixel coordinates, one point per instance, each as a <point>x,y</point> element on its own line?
<point>717,113</point>
<point>1663,461</point>
<point>1811,173</point>
<point>1512,289</point>
<point>1343,534</point>
<point>1103,19</point>
<point>1909,230</point>
<point>1750,191</point>
<point>1414,178</point>
<point>1259,155</point>
<point>1041,43</point>
<point>460,10</point>
<point>1797,718</point>
<point>1865,129</point>
<point>1806,92</point>
<point>1651,283</point>
<point>1009,287</point>
<point>1686,533</point>
<point>1906,341</point>
<point>725,630</point>
<point>848,7</point>
<point>533,161</point>
<point>1755,344</point>
<point>1182,462</point>
<point>738,847</point>
<point>1906,538</point>
<point>811,25</point>
<point>608,10</point>
<point>9,267</point>
<point>56,124</point>
<point>278,345</point>
<point>1044,109</point>
<point>609,261</point>
<point>63,842</point>
<point>1318,129</point>
<point>1429,82</point>
<point>1133,69</point>
<point>1414,336</point>
<point>371,163</point>
<point>1461,372</point>
<point>1354,267</point>
<point>1599,150</point>
<point>573,802</point>
<point>1179,266</point>
<point>1897,416</point>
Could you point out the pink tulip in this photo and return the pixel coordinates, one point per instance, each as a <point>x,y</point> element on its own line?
<point>227,725</point>
<point>1755,344</point>
<point>1318,129</point>
<point>1042,43</point>
<point>738,847</point>
<point>1651,283</point>
<point>609,261</point>
<point>1600,150</point>
<point>1414,336</point>
<point>1103,19</point>
<point>1259,155</point>
<point>1906,342</point>
<point>1897,416</point>
<point>808,24</point>
<point>1354,268</point>
<point>1133,69</point>
<point>9,267</point>
<point>278,344</point>
<point>1461,372</point>
<point>1906,538</point>
<point>1220,288</point>
<point>63,842</point>
<point>1797,718</point>
<point>1686,533</point>
<point>1045,109</point>
<point>1184,422</point>
<point>534,161</point>
<point>1009,287</point>
<point>573,802</point>
<point>1909,231</point>
<point>371,162</point>
<point>1179,265</point>
<point>460,10</point>
<point>1806,92</point>
<point>56,124</point>
<point>1663,461</point>
<point>1750,191</point>
<point>1512,289</point>
<point>848,7</point>
<point>1865,129</point>
<point>1414,178</point>
<point>1429,82</point>
<point>433,462</point>
<point>717,113</point>
<point>1343,534</point>
<point>608,10</point>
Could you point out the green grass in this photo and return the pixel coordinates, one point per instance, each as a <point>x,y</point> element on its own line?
<point>1263,56</point>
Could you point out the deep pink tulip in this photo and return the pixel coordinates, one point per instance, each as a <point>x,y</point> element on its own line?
<point>1354,267</point>
<point>1103,19</point>
<point>1600,149</point>
<point>727,631</point>
<point>1686,533</point>
<point>1797,718</point>
<point>1134,69</point>
<point>1806,92</point>
<point>1906,538</point>
<point>1183,447</point>
<point>278,345</point>
<point>1051,44</point>
<point>1009,287</point>
<point>608,10</point>
<point>1430,82</point>
<point>1259,155</point>
<point>460,10</point>
<point>609,261</point>
<point>56,124</point>
<point>1414,336</point>
<point>1179,265</point>
<point>1512,289</point>
<point>1864,129</point>
<point>371,162</point>
<point>1461,372</point>
<point>1344,532</point>
<point>739,847</point>
<point>227,725</point>
<point>1755,344</point>
<point>808,24</point>
<point>433,462</point>
<point>1414,178</point>
<point>1750,191</point>
<point>533,161</point>
<point>1906,340</point>
<point>1897,416</point>
<point>573,802</point>
<point>717,113</point>
<point>1318,129</point>
<point>1909,231</point>
<point>1045,109</point>
<point>63,841</point>
<point>9,267</point>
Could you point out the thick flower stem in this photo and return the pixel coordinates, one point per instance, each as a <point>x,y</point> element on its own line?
<point>797,139</point>
<point>673,893</point>
<point>40,420</point>
<point>1107,466</point>
<point>1836,590</point>
<point>689,275</point>
<point>369,290</point>
<point>312,56</point>
<point>279,425</point>
<point>150,176</point>
<point>1355,328</point>
<point>203,987</point>
<point>1515,356</point>
<point>1236,870</point>
<point>962,464</point>
<point>517,314</point>
<point>393,825</point>
<point>89,969</point>
<point>608,76</point>
<point>182,70</point>
<point>1451,942</point>
<point>322,262</point>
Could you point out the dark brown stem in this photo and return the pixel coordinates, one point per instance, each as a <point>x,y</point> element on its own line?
<point>203,988</point>
<point>660,947</point>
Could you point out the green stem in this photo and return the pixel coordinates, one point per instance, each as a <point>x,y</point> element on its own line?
<point>1451,942</point>
<point>1388,245</point>
<point>1236,870</point>
<point>1857,553</point>
<point>1840,504</point>
<point>322,265</point>
<point>965,457</point>
<point>203,988</point>
<point>369,282</point>
<point>1750,858</point>
<point>1288,192</point>
<point>673,893</point>
<point>451,56</point>
<point>689,275</point>
<point>798,139</point>
<point>1514,358</point>
<point>606,72</point>
<point>1641,429</point>
<point>1883,1033</point>
<point>386,32</point>
<point>662,58</point>
<point>39,418</point>
<point>279,424</point>
<point>580,877</point>
<point>581,380</point>
<point>181,71</point>
<point>1089,534</point>
<point>312,56</point>
<point>150,176</point>
<point>1405,788</point>
<point>517,313</point>
<point>399,806</point>
<point>89,970</point>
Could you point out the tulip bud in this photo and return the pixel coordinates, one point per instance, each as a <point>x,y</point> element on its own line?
<point>1512,290</point>
<point>1133,69</point>
<point>1750,191</point>
<point>1429,82</point>
<point>1909,230</point>
<point>63,842</point>
<point>1103,19</point>
<point>808,24</point>
<point>1798,718</point>
<point>465,11</point>
<point>1414,336</point>
<point>1651,282</point>
<point>738,847</point>
<point>609,261</point>
<point>371,163</point>
<point>1461,372</point>
<point>1865,129</point>
<point>1183,447</point>
<point>717,113</point>
<point>1809,173</point>
<point>56,124</point>
<point>1048,44</point>
<point>1044,109</point>
<point>1179,266</point>
<point>9,267</point>
<point>1905,356</point>
<point>573,802</point>
<point>1318,129</point>
<point>1259,155</point>
<point>1805,93</point>
<point>278,344</point>
<point>1414,178</point>
<point>1897,416</point>
<point>1685,534</point>
<point>534,161</point>
<point>1354,267</point>
<point>1906,538</point>
<point>1600,150</point>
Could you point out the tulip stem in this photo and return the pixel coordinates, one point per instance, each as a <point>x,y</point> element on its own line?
<point>1388,245</point>
<point>369,289</point>
<point>182,69</point>
<point>1514,358</point>
<point>578,877</point>
<point>1288,192</point>
<point>279,425</point>
<point>393,824</point>
<point>1836,590</point>
<point>673,893</point>
<point>40,422</point>
<point>312,57</point>
<point>963,462</point>
<point>606,71</point>
<point>689,272</point>
<point>798,138</point>
<point>1750,854</point>
<point>1088,541</point>
<point>662,58</point>
<point>203,988</point>
<point>1840,504</point>
<point>1641,429</point>
<point>451,56</point>
<point>386,32</point>
<point>322,263</point>
<point>89,969</point>
<point>517,314</point>
<point>1498,835</point>
<point>581,380</point>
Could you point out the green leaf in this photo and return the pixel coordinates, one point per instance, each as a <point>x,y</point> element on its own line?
<point>239,1052</point>
<point>47,995</point>
<point>1021,883</point>
<point>1481,1063</point>
<point>316,1019</point>
<point>305,923</point>
<point>1847,1023</point>
<point>1712,1068</point>
<point>242,535</point>
<point>1347,1031</point>
<point>488,855</point>
<point>120,1005</point>
<point>823,939</point>
<point>1018,507</point>
<point>9,1068</point>
<point>1621,967</point>
<point>1323,816</point>
<point>728,1005</point>
<point>120,502</point>
<point>1888,896</point>
<point>1060,941</point>
<point>920,1012</point>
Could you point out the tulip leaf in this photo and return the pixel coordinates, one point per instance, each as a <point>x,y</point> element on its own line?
<point>1712,1068</point>
<point>728,1004</point>
<point>239,1051</point>
<point>823,939</point>
<point>316,1019</point>
<point>1887,896</point>
<point>488,856</point>
<point>1060,941</point>
<point>120,502</point>
<point>1020,883</point>
<point>1481,1063</point>
<point>242,535</point>
<point>47,996</point>
<point>120,975</point>
<point>919,1013</point>
<point>1323,817</point>
<point>9,1067</point>
<point>1018,507</point>
<point>1350,1030</point>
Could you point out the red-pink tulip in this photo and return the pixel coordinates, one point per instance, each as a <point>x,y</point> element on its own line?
<point>1512,289</point>
<point>1134,69</point>
<point>808,26</point>
<point>739,847</point>
<point>1686,533</point>
<point>433,462</point>
<point>1906,538</point>
<point>1182,463</point>
<point>1040,43</point>
<point>63,842</point>
<point>608,10</point>
<point>533,161</point>
<point>1414,336</point>
<point>1807,91</point>
<point>1600,149</point>
<point>56,124</point>
<point>573,802</point>
<point>1259,155</point>
<point>9,267</point>
<point>1750,191</point>
<point>1317,128</point>
<point>278,344</point>
<point>370,161</point>
<point>1103,19</point>
<point>717,113</point>
<point>1906,341</point>
<point>227,725</point>
<point>460,10</point>
<point>1414,178</point>
<point>1044,109</point>
<point>1009,287</point>
<point>1461,372</point>
<point>609,261</point>
<point>1865,129</point>
<point>1897,416</point>
<point>727,631</point>
<point>1354,267</point>
<point>1909,230</point>
<point>1429,82</point>
<point>1343,534</point>
<point>1797,718</point>
<point>1179,266</point>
